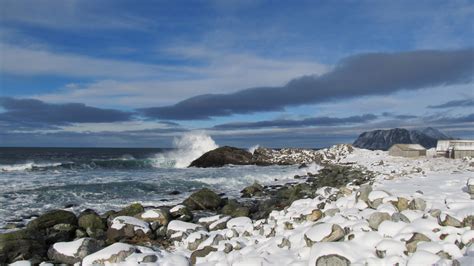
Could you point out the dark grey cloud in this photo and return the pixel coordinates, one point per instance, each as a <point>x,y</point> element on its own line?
<point>455,103</point>
<point>35,113</point>
<point>397,116</point>
<point>359,75</point>
<point>314,121</point>
<point>468,118</point>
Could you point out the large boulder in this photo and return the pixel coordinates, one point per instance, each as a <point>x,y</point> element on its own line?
<point>73,252</point>
<point>55,225</point>
<point>203,199</point>
<point>128,228</point>
<point>131,210</point>
<point>51,219</point>
<point>115,253</point>
<point>92,223</point>
<point>22,245</point>
<point>223,156</point>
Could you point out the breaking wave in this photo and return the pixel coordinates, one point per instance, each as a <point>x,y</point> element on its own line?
<point>187,148</point>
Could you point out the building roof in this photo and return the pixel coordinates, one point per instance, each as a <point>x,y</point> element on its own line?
<point>409,147</point>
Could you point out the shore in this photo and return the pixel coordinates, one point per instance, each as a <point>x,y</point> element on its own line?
<point>361,207</point>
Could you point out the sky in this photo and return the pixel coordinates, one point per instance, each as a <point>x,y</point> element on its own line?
<point>117,73</point>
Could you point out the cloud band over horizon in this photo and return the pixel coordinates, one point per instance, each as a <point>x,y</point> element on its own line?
<point>358,75</point>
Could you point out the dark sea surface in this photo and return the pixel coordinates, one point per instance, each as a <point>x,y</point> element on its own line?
<point>33,180</point>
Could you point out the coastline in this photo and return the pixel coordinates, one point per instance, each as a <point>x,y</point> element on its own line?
<point>355,193</point>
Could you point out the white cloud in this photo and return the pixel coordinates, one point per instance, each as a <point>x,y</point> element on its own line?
<point>28,61</point>
<point>222,73</point>
<point>68,14</point>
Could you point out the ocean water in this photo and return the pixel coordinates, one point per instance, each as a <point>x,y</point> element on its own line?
<point>33,180</point>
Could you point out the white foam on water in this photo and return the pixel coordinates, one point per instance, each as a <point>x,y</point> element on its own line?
<point>189,147</point>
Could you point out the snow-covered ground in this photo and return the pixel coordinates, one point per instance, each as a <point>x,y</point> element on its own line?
<point>415,213</point>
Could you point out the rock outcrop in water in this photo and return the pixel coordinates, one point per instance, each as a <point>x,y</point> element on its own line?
<point>384,139</point>
<point>266,156</point>
<point>223,156</point>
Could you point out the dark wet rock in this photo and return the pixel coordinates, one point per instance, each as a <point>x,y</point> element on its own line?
<point>174,192</point>
<point>128,228</point>
<point>91,222</point>
<point>59,233</point>
<point>130,210</point>
<point>253,190</point>
<point>159,216</point>
<point>204,199</point>
<point>223,156</point>
<point>235,209</point>
<point>181,213</point>
<point>201,253</point>
<point>88,246</point>
<point>52,218</point>
<point>23,244</point>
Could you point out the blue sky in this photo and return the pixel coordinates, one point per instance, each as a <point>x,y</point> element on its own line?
<point>128,73</point>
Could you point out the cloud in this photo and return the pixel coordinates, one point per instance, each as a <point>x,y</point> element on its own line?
<point>454,103</point>
<point>308,122</point>
<point>359,75</point>
<point>69,14</point>
<point>214,72</point>
<point>468,118</point>
<point>32,61</point>
<point>396,116</point>
<point>30,111</point>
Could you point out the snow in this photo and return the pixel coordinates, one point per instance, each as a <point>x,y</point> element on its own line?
<point>121,221</point>
<point>107,253</point>
<point>177,208</point>
<point>21,263</point>
<point>377,194</point>
<point>151,214</point>
<point>68,248</point>
<point>423,258</point>
<point>180,226</point>
<point>281,238</point>
<point>319,231</point>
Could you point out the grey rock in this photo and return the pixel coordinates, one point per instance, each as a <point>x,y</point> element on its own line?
<point>51,219</point>
<point>332,260</point>
<point>203,199</point>
<point>201,253</point>
<point>412,243</point>
<point>363,193</point>
<point>398,217</point>
<point>223,156</point>
<point>23,244</point>
<point>377,218</point>
<point>88,246</point>
<point>417,204</point>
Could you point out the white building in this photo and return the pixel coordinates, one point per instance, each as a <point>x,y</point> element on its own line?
<point>455,148</point>
<point>407,150</point>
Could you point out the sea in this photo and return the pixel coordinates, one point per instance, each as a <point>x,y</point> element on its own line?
<point>34,180</point>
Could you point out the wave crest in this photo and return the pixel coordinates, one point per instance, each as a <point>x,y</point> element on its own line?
<point>189,147</point>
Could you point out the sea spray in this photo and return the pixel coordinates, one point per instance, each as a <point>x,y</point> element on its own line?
<point>189,147</point>
<point>253,148</point>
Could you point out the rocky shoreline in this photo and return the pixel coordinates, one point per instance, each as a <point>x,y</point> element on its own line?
<point>332,217</point>
<point>136,225</point>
